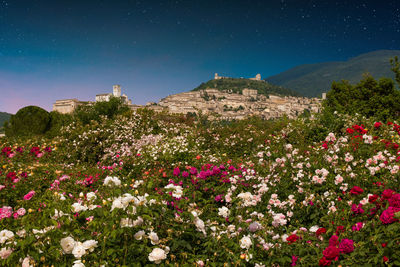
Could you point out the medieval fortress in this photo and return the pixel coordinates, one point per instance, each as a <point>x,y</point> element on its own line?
<point>213,102</point>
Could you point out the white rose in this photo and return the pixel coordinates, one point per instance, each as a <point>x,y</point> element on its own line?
<point>117,203</point>
<point>224,212</point>
<point>245,242</point>
<point>78,263</point>
<point>110,181</point>
<point>79,250</point>
<point>90,245</point>
<point>157,255</point>
<point>5,252</point>
<point>91,196</point>
<point>139,235</point>
<point>5,235</point>
<point>154,238</point>
<point>77,207</point>
<point>25,262</point>
<point>67,244</point>
<point>21,233</point>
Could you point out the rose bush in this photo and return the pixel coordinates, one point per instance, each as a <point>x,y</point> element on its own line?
<point>170,191</point>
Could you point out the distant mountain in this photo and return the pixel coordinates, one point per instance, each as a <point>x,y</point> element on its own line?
<point>236,85</point>
<point>314,79</point>
<point>4,116</point>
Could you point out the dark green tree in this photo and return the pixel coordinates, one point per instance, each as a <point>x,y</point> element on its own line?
<point>30,120</point>
<point>371,98</point>
<point>57,121</point>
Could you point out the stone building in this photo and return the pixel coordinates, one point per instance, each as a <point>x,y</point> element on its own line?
<point>69,105</point>
<point>66,105</point>
<point>228,105</point>
<point>257,78</point>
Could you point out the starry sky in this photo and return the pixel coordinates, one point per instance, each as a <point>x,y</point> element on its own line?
<point>61,49</point>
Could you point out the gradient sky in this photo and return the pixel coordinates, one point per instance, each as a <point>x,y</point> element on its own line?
<point>55,49</point>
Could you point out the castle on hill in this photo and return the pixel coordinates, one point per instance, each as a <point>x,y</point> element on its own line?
<point>217,77</point>
<point>69,105</point>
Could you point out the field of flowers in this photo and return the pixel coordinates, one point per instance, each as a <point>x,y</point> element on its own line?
<point>139,191</point>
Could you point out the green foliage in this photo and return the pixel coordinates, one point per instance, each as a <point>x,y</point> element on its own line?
<point>109,109</point>
<point>369,98</point>
<point>30,120</point>
<point>396,68</point>
<point>57,121</point>
<point>237,85</point>
<point>4,116</point>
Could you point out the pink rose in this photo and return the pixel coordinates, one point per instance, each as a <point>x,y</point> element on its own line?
<point>346,246</point>
<point>21,211</point>
<point>29,195</point>
<point>5,212</point>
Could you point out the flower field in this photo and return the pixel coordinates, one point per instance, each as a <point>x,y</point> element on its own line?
<point>139,191</point>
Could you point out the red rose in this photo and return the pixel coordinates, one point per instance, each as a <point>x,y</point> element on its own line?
<point>292,238</point>
<point>356,190</point>
<point>383,245</point>
<point>334,240</point>
<point>349,130</point>
<point>387,193</point>
<point>339,229</point>
<point>320,231</point>
<point>324,262</point>
<point>385,259</point>
<point>377,124</point>
<point>372,198</point>
<point>394,201</point>
<point>331,253</point>
<point>346,246</point>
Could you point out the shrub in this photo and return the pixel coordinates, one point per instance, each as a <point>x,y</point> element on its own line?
<point>30,120</point>
<point>370,98</point>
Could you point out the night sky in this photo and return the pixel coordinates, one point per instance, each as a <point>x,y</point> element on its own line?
<point>55,49</point>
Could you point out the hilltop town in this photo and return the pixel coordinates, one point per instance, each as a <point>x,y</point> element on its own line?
<point>223,104</point>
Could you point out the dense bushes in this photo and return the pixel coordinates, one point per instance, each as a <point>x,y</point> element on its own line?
<point>110,109</point>
<point>370,98</point>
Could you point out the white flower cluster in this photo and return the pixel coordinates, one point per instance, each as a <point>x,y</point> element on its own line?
<point>112,181</point>
<point>78,249</point>
<point>177,190</point>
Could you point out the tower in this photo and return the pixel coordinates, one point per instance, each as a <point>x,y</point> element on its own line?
<point>258,77</point>
<point>117,90</point>
<point>216,76</point>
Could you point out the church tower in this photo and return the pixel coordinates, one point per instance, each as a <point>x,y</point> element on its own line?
<point>117,90</point>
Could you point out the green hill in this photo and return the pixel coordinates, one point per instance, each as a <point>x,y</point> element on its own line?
<point>4,116</point>
<point>237,85</point>
<point>314,79</point>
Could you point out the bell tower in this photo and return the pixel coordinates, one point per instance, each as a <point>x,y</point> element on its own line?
<point>117,90</point>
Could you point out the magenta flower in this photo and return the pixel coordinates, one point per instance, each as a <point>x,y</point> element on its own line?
<point>387,216</point>
<point>294,259</point>
<point>176,171</point>
<point>346,246</point>
<point>29,195</point>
